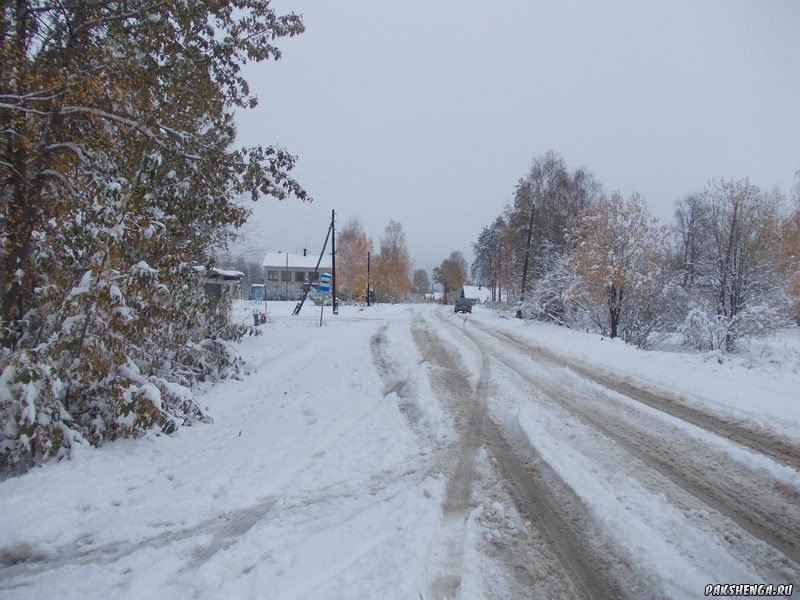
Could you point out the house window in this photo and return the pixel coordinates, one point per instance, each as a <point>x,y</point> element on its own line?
<point>313,276</point>
<point>300,276</point>
<point>272,275</point>
<point>286,275</point>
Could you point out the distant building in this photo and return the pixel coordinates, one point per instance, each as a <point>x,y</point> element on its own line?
<point>478,294</point>
<point>287,272</point>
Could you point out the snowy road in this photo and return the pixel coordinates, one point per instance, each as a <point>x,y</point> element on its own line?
<point>408,452</point>
<point>729,502</point>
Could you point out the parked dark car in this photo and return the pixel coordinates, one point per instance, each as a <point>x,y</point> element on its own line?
<point>463,305</point>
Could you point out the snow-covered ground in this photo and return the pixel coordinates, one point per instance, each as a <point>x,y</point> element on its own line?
<point>760,383</point>
<point>326,470</point>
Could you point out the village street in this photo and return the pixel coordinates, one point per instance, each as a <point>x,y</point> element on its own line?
<point>404,451</point>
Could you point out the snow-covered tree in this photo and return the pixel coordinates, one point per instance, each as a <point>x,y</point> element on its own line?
<point>118,178</point>
<point>619,255</point>
<point>738,278</point>
<point>486,267</point>
<point>688,234</point>
<point>552,297</point>
<point>790,263</point>
<point>547,202</point>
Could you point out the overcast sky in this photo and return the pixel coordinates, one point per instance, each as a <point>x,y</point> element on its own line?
<point>428,112</point>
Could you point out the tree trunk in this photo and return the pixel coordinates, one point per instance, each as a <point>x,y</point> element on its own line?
<point>614,309</point>
<point>527,256</point>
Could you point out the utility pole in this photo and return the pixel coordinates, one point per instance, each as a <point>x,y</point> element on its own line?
<point>333,261</point>
<point>368,293</point>
<point>307,286</point>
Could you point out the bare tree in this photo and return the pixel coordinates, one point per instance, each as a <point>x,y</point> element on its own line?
<point>688,232</point>
<point>420,283</point>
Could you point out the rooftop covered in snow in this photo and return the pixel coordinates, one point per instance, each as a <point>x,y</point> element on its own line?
<point>296,260</point>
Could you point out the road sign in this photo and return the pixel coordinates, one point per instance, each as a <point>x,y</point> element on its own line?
<point>325,282</point>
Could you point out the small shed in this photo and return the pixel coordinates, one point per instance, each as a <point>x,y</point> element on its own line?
<point>257,292</point>
<point>219,282</point>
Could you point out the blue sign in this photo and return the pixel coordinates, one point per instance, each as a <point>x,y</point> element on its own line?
<point>325,282</point>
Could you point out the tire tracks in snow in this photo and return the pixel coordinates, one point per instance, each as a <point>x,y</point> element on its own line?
<point>224,528</point>
<point>767,443</point>
<point>455,458</point>
<point>532,487</point>
<point>458,493</point>
<point>731,490</point>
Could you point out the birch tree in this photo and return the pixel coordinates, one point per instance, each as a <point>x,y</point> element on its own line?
<point>352,246</point>
<point>790,242</point>
<point>741,285</point>
<point>451,274</point>
<point>393,264</point>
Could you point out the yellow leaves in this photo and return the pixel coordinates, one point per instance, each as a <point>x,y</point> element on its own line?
<point>352,246</point>
<point>790,258</point>
<point>392,265</point>
<point>616,244</point>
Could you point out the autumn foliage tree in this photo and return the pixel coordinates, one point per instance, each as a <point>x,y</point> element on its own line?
<point>392,265</point>
<point>586,261</point>
<point>619,255</point>
<point>451,274</point>
<point>118,179</point>
<point>790,264</point>
<point>352,247</point>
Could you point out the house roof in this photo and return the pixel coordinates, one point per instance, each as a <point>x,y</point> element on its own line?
<point>296,260</point>
<point>226,274</point>
<point>216,273</point>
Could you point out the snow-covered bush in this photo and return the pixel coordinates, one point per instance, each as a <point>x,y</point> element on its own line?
<point>114,360</point>
<point>548,298</point>
<point>31,418</point>
<point>704,331</point>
